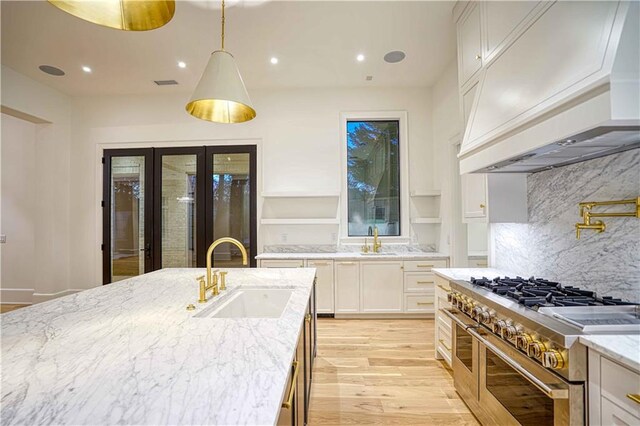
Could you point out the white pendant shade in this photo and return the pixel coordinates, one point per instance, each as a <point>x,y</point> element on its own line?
<point>220,95</point>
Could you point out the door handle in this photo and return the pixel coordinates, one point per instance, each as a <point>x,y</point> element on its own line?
<point>147,250</point>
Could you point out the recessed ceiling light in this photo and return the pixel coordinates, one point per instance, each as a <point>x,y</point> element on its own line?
<point>394,56</point>
<point>51,70</point>
<point>369,78</point>
<point>182,64</point>
<point>274,60</point>
<point>86,69</point>
<point>360,57</point>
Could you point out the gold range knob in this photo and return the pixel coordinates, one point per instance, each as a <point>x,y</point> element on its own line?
<point>499,325</point>
<point>536,349</point>
<point>468,307</point>
<point>553,359</point>
<point>486,317</point>
<point>510,332</point>
<point>523,340</point>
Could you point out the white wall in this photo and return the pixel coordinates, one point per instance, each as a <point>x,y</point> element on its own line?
<point>50,265</point>
<point>446,132</point>
<point>19,183</point>
<point>297,133</point>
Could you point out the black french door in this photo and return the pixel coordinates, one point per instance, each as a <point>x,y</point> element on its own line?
<point>163,207</point>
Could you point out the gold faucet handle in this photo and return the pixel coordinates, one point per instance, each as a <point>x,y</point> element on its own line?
<point>223,276</point>
<point>202,291</point>
<point>200,279</point>
<point>214,276</point>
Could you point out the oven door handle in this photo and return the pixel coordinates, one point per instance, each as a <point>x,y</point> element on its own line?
<point>551,390</point>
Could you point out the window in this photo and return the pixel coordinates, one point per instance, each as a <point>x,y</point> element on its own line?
<point>373,177</point>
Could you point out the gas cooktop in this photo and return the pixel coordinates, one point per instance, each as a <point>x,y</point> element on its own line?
<point>536,293</point>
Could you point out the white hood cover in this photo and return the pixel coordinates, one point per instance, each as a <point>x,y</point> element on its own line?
<point>565,91</point>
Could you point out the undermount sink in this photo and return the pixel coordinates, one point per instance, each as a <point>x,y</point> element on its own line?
<point>250,303</point>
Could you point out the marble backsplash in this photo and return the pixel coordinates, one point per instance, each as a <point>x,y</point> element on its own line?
<point>345,248</point>
<point>608,263</point>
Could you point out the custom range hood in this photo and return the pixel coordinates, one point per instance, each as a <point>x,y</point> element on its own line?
<point>567,90</point>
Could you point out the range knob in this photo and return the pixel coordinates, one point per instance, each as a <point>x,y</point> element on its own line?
<point>451,297</point>
<point>467,308</point>
<point>523,340</point>
<point>486,317</point>
<point>462,300</point>
<point>510,332</point>
<point>553,359</point>
<point>536,349</point>
<point>476,312</point>
<point>499,325</point>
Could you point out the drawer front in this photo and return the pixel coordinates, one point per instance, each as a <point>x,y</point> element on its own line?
<point>612,415</point>
<point>444,323</point>
<point>478,263</point>
<point>423,265</point>
<point>415,282</point>
<point>618,382</point>
<point>419,303</point>
<point>291,263</point>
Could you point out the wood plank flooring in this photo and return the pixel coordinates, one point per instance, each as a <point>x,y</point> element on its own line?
<point>7,307</point>
<point>382,372</point>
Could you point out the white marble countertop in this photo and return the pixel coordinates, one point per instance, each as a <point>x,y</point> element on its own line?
<point>354,256</point>
<point>130,353</point>
<point>465,274</point>
<point>624,348</point>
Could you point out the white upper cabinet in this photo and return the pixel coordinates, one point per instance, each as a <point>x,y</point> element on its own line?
<point>467,103</point>
<point>474,197</point>
<point>469,44</point>
<point>501,21</point>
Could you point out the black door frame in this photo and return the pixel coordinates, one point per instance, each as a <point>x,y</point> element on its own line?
<point>199,152</point>
<point>253,191</point>
<point>153,201</point>
<point>108,154</point>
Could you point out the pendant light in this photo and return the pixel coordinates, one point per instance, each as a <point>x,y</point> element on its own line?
<point>127,15</point>
<point>220,96</point>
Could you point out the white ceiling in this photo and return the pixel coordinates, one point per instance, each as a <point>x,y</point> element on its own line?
<point>316,43</point>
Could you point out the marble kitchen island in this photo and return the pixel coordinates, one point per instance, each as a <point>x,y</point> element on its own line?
<point>131,353</point>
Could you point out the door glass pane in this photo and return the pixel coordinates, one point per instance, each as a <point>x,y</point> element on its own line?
<point>373,177</point>
<point>231,206</point>
<point>127,217</point>
<point>178,190</point>
<point>523,400</point>
<point>464,347</point>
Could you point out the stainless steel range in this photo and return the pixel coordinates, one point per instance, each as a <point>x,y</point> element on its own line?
<point>516,359</point>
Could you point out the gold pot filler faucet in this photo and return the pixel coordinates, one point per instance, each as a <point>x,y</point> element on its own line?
<point>598,225</point>
<point>212,275</point>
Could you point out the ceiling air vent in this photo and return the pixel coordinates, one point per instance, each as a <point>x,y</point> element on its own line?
<point>165,82</point>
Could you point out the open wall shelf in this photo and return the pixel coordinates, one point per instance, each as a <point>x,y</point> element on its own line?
<point>300,221</point>
<point>429,193</point>
<point>425,220</point>
<point>300,195</point>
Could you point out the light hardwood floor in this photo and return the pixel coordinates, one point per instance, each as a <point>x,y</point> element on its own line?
<point>6,307</point>
<point>382,372</point>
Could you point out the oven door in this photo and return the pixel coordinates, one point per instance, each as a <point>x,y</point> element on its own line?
<point>464,355</point>
<point>514,390</point>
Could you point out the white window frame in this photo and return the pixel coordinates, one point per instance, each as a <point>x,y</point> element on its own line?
<point>401,117</point>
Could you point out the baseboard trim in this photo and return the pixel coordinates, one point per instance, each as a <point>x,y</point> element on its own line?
<point>43,297</point>
<point>17,296</point>
<point>384,316</point>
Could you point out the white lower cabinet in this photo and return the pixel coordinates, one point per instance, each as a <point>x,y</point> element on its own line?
<point>324,285</point>
<point>382,287</point>
<point>614,392</point>
<point>443,324</point>
<point>347,284</point>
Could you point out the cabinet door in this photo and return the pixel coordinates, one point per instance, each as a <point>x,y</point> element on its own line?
<point>501,20</point>
<point>469,44</point>
<point>382,287</point>
<point>324,285</point>
<point>285,263</point>
<point>474,197</point>
<point>347,287</point>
